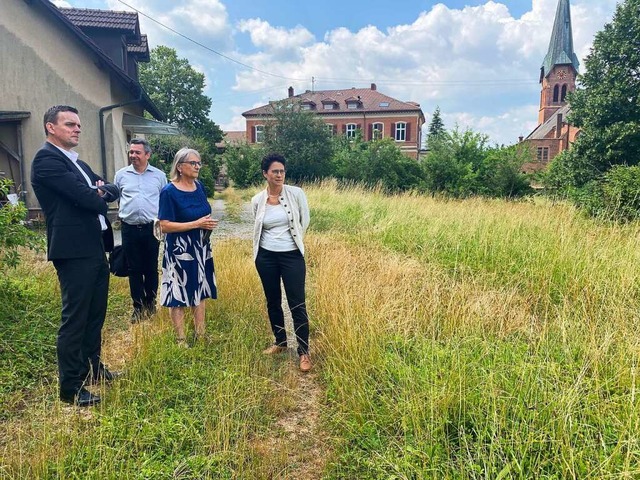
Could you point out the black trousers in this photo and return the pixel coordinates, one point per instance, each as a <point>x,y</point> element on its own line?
<point>141,249</point>
<point>291,268</point>
<point>84,287</point>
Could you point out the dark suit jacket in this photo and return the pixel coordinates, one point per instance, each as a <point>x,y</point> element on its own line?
<point>70,206</point>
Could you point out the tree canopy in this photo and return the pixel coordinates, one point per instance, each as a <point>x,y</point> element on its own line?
<point>436,126</point>
<point>302,138</point>
<point>177,90</point>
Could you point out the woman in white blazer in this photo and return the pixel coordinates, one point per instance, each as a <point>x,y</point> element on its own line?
<point>281,218</point>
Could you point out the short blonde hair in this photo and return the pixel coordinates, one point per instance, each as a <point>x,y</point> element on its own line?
<point>181,157</point>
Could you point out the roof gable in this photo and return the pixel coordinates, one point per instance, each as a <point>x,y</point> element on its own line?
<point>103,59</point>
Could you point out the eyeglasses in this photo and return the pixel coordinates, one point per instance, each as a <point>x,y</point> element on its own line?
<point>193,163</point>
<point>277,172</point>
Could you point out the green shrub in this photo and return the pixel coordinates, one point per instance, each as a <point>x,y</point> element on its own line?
<point>13,232</point>
<point>616,196</point>
<point>243,165</point>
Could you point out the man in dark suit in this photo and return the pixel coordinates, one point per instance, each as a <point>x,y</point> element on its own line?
<point>74,201</point>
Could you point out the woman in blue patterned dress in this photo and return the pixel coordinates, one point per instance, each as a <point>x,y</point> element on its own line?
<point>188,276</point>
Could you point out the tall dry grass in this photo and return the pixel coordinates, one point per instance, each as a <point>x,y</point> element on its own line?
<point>476,338</point>
<point>453,339</point>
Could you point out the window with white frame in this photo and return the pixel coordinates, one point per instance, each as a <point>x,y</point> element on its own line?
<point>401,131</point>
<point>305,106</point>
<point>259,133</point>
<point>377,131</point>
<point>352,105</point>
<point>351,130</point>
<point>329,106</point>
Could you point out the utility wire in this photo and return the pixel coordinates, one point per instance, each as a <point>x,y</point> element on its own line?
<point>208,48</point>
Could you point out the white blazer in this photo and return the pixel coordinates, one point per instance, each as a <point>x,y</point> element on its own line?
<point>295,204</point>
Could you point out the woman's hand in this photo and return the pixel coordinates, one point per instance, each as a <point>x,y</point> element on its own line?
<point>207,223</point>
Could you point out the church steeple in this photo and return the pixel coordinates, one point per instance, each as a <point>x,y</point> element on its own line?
<point>561,44</point>
<point>560,66</point>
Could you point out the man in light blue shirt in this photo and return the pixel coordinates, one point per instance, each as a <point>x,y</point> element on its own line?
<point>140,184</point>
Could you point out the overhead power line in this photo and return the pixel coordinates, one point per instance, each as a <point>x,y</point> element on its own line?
<point>208,48</point>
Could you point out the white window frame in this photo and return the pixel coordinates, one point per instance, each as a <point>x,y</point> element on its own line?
<point>329,127</point>
<point>401,132</point>
<point>352,105</point>
<point>305,106</point>
<point>328,106</point>
<point>375,130</point>
<point>259,133</point>
<point>350,130</point>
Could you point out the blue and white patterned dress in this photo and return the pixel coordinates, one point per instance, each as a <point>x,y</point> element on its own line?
<point>188,274</point>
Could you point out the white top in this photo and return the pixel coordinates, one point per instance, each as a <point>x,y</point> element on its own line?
<point>276,236</point>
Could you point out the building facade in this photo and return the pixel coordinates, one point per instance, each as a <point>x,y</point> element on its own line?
<point>350,112</point>
<point>557,79</point>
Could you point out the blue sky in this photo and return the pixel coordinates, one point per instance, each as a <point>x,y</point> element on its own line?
<point>477,60</point>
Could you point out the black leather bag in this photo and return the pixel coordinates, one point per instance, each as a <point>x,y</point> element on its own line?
<point>118,262</point>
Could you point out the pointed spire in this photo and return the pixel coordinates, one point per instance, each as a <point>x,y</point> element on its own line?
<point>561,44</point>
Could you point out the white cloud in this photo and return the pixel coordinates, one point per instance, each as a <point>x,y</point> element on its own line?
<point>61,3</point>
<point>274,39</point>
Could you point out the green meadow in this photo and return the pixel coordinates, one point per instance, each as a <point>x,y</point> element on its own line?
<point>451,339</point>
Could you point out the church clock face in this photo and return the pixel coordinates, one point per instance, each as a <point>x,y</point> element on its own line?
<point>561,74</point>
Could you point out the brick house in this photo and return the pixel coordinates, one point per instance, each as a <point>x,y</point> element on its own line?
<point>557,78</point>
<point>349,111</point>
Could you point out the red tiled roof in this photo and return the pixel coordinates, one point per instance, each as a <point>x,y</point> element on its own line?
<point>231,137</point>
<point>371,101</point>
<point>85,17</point>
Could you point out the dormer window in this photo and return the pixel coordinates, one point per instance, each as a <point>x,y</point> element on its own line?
<point>307,105</point>
<point>353,103</point>
<point>329,104</point>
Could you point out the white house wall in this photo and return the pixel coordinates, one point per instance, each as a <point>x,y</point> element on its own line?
<point>44,64</point>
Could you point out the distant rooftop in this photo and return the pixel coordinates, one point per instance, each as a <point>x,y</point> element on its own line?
<point>366,99</point>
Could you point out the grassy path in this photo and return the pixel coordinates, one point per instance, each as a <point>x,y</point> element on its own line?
<point>217,410</point>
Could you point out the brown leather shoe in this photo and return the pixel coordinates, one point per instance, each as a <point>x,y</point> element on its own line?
<point>273,349</point>
<point>305,363</point>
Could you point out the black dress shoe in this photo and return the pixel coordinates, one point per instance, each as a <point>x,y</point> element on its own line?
<point>102,375</point>
<point>81,398</point>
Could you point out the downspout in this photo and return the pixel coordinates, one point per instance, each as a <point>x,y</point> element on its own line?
<point>103,148</point>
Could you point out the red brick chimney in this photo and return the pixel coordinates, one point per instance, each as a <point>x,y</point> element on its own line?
<point>373,86</point>
<point>290,92</point>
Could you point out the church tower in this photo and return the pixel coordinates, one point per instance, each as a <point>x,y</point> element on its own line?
<point>560,67</point>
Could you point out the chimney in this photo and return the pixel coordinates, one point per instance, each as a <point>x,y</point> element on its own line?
<point>290,92</point>
<point>520,138</point>
<point>373,86</point>
<point>558,125</point>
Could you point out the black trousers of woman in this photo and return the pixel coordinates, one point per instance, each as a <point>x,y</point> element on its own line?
<point>291,268</point>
